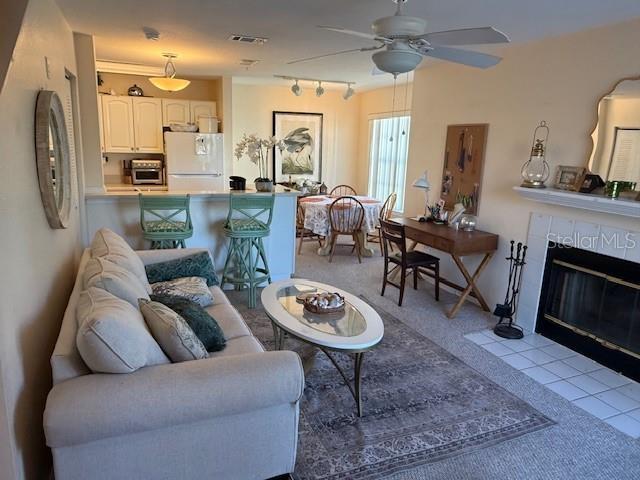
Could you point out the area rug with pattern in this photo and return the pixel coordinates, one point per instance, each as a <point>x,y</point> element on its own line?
<point>421,405</point>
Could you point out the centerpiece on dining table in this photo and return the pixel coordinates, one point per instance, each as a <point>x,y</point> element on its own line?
<point>257,150</point>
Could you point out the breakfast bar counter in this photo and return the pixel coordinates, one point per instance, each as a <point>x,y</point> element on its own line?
<point>119,210</point>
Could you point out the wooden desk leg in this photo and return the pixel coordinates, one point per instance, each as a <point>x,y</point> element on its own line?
<point>471,284</point>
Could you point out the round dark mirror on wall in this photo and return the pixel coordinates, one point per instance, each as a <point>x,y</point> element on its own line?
<point>52,158</point>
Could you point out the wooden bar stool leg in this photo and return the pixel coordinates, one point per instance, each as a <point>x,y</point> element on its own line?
<point>415,278</point>
<point>402,282</point>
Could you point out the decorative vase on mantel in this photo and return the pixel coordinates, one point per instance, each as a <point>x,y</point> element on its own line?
<point>264,185</point>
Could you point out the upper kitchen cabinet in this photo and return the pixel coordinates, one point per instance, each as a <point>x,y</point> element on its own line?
<point>147,123</point>
<point>132,124</point>
<point>201,108</point>
<point>117,122</point>
<point>175,111</point>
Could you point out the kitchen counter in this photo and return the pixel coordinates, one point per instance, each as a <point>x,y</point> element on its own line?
<point>128,190</point>
<point>119,210</point>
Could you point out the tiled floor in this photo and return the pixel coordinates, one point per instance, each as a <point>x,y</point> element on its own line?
<point>600,391</point>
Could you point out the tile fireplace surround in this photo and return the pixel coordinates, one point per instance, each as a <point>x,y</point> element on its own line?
<point>614,242</point>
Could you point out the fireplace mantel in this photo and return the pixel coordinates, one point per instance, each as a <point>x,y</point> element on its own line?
<point>585,201</point>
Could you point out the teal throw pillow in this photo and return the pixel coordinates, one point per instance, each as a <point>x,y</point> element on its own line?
<point>197,265</point>
<point>203,325</point>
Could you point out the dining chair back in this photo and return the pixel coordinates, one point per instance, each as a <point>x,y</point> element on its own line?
<point>346,215</point>
<point>385,213</point>
<point>301,231</point>
<point>393,235</point>
<point>165,220</point>
<point>343,190</point>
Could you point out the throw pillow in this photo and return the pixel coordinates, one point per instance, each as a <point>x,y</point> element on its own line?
<point>193,288</point>
<point>108,244</point>
<point>172,332</point>
<point>112,336</point>
<point>197,265</point>
<point>116,280</point>
<point>203,325</point>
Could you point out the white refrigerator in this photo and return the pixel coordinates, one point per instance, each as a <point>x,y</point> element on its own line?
<point>194,161</point>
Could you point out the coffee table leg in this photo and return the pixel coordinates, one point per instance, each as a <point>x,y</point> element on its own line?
<point>357,377</point>
<point>278,336</point>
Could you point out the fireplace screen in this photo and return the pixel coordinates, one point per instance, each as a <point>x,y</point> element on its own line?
<point>591,303</point>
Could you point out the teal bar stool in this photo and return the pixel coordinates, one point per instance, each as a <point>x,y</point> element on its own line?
<point>165,220</point>
<point>248,222</point>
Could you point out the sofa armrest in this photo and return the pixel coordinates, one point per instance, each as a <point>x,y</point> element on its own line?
<point>98,406</point>
<point>149,257</point>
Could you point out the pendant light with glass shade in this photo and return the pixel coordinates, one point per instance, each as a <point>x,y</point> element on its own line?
<point>169,83</point>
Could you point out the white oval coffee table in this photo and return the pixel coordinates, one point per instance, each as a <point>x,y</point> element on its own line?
<point>355,331</point>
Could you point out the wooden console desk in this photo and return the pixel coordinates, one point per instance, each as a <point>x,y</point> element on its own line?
<point>456,243</point>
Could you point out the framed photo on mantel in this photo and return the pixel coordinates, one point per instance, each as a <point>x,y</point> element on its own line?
<point>463,165</point>
<point>302,156</point>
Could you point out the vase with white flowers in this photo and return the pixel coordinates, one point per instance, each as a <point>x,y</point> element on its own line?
<point>257,150</point>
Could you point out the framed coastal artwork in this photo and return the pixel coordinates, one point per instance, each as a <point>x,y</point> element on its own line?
<point>301,155</point>
<point>463,165</point>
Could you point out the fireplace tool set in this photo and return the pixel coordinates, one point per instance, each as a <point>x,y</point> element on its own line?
<point>505,327</point>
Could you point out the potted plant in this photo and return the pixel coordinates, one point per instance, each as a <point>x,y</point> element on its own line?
<point>257,151</point>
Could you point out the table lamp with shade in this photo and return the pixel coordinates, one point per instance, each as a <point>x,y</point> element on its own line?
<point>423,184</point>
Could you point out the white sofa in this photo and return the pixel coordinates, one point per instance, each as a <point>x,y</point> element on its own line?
<point>233,415</point>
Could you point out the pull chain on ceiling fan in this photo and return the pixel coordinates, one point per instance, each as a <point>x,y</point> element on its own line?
<point>402,43</point>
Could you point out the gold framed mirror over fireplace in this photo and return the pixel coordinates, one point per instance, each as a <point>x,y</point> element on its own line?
<point>615,155</point>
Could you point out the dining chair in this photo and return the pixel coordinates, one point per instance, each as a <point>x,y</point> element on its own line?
<point>385,214</point>
<point>302,232</point>
<point>346,215</point>
<point>165,220</point>
<point>394,234</point>
<point>343,191</point>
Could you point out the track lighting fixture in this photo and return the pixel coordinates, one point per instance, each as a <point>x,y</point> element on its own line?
<point>349,92</point>
<point>297,91</point>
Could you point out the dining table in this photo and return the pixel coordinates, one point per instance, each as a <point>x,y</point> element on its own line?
<point>316,219</point>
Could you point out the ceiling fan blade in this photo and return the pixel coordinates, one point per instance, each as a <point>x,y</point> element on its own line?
<point>308,59</point>
<point>466,36</point>
<point>465,57</point>
<point>370,36</point>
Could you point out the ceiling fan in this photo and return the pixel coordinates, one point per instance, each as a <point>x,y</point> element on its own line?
<point>403,43</point>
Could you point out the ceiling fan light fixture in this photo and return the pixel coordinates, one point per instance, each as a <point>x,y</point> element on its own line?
<point>349,92</point>
<point>296,89</point>
<point>396,61</point>
<point>169,83</point>
<point>319,90</point>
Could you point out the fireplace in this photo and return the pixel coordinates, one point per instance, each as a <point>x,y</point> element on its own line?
<point>591,304</point>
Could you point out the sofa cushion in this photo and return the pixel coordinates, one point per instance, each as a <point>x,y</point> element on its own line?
<point>196,265</point>
<point>203,324</point>
<point>104,274</point>
<point>239,346</point>
<point>108,244</point>
<point>112,336</point>
<point>172,332</point>
<point>193,288</point>
<point>219,296</point>
<point>230,321</point>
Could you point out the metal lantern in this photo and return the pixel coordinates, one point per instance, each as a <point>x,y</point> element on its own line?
<point>536,171</point>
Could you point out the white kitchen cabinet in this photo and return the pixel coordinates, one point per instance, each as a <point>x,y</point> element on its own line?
<point>201,108</point>
<point>147,123</point>
<point>132,124</point>
<point>175,111</point>
<point>117,122</point>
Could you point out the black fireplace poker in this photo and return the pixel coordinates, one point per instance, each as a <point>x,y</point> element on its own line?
<point>505,327</point>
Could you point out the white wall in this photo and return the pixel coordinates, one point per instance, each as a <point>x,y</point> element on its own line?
<point>252,113</point>
<point>38,264</point>
<point>559,80</point>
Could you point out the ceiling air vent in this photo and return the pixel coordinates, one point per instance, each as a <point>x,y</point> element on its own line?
<point>248,39</point>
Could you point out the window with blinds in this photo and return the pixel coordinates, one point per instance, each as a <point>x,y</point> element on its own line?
<point>388,152</point>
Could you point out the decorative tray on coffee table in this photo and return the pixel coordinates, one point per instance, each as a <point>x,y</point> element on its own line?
<point>322,303</point>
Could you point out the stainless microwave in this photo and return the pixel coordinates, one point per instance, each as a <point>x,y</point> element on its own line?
<point>145,171</point>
